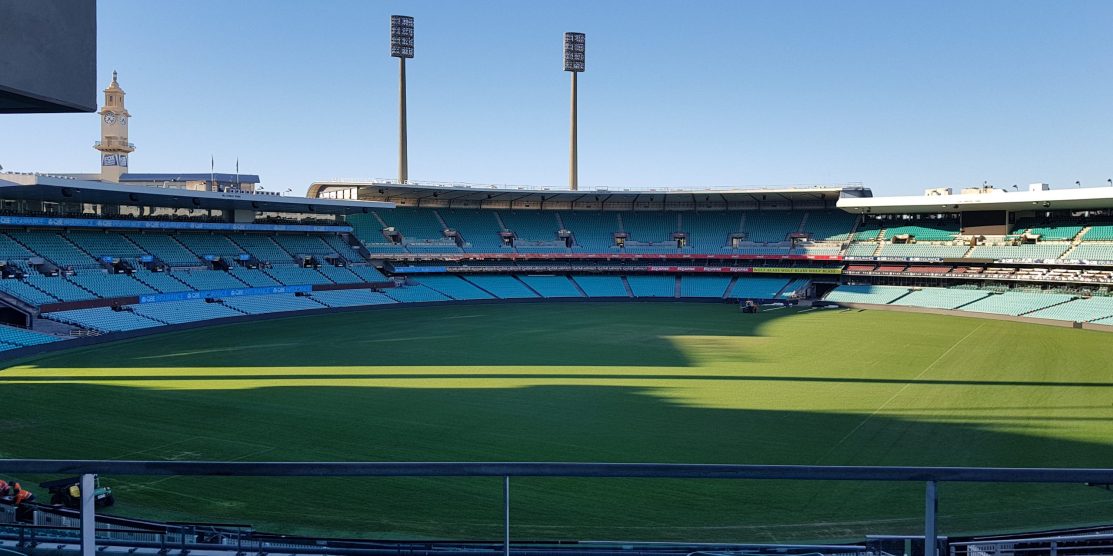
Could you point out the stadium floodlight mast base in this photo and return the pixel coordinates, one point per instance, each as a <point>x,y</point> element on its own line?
<point>402,47</point>
<point>573,63</point>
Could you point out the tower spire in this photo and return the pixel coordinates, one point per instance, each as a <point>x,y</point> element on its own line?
<point>113,145</point>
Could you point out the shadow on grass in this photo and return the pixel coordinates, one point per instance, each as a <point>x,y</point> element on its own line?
<point>542,423</point>
<point>599,334</point>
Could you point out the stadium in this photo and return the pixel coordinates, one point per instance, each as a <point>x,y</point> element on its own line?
<point>429,367</point>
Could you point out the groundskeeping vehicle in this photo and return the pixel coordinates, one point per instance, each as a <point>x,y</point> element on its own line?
<point>67,492</point>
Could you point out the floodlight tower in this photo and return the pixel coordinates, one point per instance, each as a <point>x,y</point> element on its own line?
<point>574,63</point>
<point>402,47</point>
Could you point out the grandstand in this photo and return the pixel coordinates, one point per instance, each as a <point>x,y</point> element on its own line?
<point>80,280</point>
<point>98,275</point>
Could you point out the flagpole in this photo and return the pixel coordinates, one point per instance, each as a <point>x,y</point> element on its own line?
<point>212,171</point>
<point>237,172</point>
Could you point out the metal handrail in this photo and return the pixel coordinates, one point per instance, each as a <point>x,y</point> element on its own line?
<point>930,476</point>
<point>558,469</point>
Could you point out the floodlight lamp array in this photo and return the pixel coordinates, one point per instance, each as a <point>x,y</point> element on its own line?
<point>401,36</point>
<point>574,48</point>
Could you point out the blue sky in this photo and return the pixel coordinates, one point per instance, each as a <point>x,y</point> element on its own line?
<point>897,95</point>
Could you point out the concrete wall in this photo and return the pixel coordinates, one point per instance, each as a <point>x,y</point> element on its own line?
<point>48,56</point>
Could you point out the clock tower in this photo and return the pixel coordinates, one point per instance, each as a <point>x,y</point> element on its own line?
<point>113,145</point>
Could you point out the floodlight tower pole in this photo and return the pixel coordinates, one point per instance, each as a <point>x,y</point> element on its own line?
<point>573,166</point>
<point>402,47</point>
<point>403,162</point>
<point>574,63</point>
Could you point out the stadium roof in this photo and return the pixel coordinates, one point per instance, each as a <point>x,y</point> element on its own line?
<point>37,187</point>
<point>1087,198</point>
<point>385,190</point>
<point>228,178</point>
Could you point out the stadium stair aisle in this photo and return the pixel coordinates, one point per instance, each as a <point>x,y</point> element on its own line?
<point>502,286</point>
<point>601,285</point>
<point>1017,303</point>
<point>163,282</point>
<point>577,286</point>
<point>352,298</point>
<point>550,286</point>
<point>757,287</point>
<point>165,248</point>
<point>416,293</point>
<point>878,295</point>
<point>178,312</point>
<point>103,319</point>
<point>704,286</point>
<point>276,303</point>
<point>941,298</point>
<point>454,287</point>
<point>652,286</point>
<point>19,337</point>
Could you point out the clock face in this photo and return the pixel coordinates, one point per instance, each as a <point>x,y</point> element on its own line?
<point>109,118</point>
<point>123,120</point>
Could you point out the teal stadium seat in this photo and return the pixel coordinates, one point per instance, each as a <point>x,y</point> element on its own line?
<point>504,287</point>
<point>1079,310</point>
<point>217,245</point>
<point>340,275</point>
<point>941,298</point>
<point>263,248</point>
<point>103,319</point>
<point>59,287</point>
<point>368,273</point>
<point>593,231</point>
<point>757,287</point>
<point>293,275</point>
<point>26,292</point>
<point>551,286</point>
<point>253,277</point>
<point>878,295</point>
<point>710,231</point>
<point>454,287</point>
<point>179,312</point>
<point>19,337</point>
<point>56,249</point>
<point>652,286</point>
<point>601,286</point>
<point>704,286</point>
<point>165,248</point>
<point>1016,303</point>
<point>274,303</point>
<point>352,298</point>
<point>479,229</point>
<point>163,282</point>
<point>110,285</point>
<point>201,280</point>
<point>771,226</point>
<point>415,294</point>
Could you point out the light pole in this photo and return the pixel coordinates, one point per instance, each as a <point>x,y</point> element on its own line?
<point>402,47</point>
<point>574,63</point>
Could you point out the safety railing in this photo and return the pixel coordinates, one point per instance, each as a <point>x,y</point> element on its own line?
<point>929,476</point>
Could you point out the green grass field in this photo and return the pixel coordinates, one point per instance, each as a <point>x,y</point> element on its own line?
<point>585,382</point>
